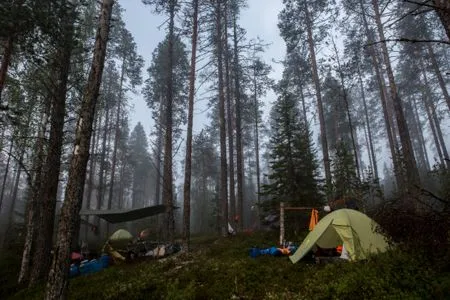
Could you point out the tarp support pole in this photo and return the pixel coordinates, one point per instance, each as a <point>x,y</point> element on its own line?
<point>281,223</point>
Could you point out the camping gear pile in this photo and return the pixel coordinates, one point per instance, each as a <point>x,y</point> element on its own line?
<point>122,246</point>
<point>273,251</point>
<point>81,266</point>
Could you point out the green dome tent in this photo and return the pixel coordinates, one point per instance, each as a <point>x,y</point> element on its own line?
<point>353,229</point>
<point>120,238</point>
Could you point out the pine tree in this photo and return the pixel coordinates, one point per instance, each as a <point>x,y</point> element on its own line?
<point>293,175</point>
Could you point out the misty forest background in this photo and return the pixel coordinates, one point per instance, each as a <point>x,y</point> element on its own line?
<point>361,113</point>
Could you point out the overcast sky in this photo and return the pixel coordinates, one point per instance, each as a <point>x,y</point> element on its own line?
<point>259,19</point>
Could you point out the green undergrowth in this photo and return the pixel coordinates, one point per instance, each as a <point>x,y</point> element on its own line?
<point>222,269</point>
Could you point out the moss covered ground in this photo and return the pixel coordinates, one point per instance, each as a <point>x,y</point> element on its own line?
<point>221,268</point>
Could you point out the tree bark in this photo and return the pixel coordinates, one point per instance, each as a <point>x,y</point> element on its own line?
<point>223,193</point>
<point>239,146</point>
<point>323,135</point>
<point>442,8</point>
<point>412,174</point>
<point>167,164</point>
<point>188,158</point>
<point>51,169</point>
<point>70,218</point>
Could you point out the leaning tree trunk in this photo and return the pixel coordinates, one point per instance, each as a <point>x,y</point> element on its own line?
<point>432,109</point>
<point>438,73</point>
<point>167,164</point>
<point>223,193</point>
<point>188,159</point>
<point>239,147</point>
<point>51,169</point>
<point>70,218</point>
<point>323,135</point>
<point>442,8</point>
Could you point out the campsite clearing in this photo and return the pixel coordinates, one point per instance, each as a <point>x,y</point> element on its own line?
<point>222,269</point>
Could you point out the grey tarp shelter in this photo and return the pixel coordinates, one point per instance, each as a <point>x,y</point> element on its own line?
<point>126,215</point>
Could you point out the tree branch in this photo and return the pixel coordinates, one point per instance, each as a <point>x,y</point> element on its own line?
<point>408,41</point>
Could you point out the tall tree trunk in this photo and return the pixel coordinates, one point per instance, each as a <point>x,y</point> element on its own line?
<point>168,171</point>
<point>412,174</point>
<point>188,158</point>
<point>33,210</point>
<point>323,135</point>
<point>369,130</point>
<point>12,206</point>
<point>239,146</point>
<point>92,166</point>
<point>384,102</point>
<point>223,195</point>
<point>51,169</point>
<point>258,171</point>
<point>158,155</point>
<point>6,60</point>
<point>5,175</point>
<point>417,146</point>
<point>432,109</point>
<point>70,218</point>
<point>117,133</point>
<point>421,136</point>
<point>433,130</point>
<point>438,73</point>
<point>442,8</point>
<point>232,215</point>
<point>102,170</point>
<point>349,117</point>
<point>106,200</point>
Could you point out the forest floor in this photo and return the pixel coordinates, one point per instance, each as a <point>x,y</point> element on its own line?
<point>221,268</point>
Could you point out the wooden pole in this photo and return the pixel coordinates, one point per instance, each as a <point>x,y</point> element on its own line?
<point>281,223</point>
